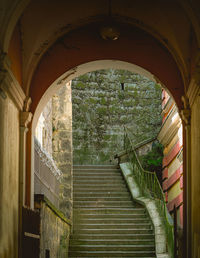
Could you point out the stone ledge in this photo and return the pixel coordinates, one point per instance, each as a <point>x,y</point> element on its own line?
<point>160,235</point>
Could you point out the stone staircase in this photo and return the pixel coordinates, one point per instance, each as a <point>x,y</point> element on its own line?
<point>106,221</point>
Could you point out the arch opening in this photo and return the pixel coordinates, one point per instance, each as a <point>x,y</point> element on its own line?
<point>100,64</point>
<point>85,68</point>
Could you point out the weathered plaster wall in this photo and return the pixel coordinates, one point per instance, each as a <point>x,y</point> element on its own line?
<point>9,176</point>
<point>195,180</point>
<point>104,102</point>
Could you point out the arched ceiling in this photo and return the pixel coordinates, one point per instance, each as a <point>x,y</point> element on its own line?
<point>42,23</point>
<point>85,45</point>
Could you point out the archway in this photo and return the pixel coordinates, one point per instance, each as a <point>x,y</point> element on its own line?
<point>135,50</point>
<point>109,63</point>
<point>175,40</point>
<point>70,75</point>
<point>79,52</point>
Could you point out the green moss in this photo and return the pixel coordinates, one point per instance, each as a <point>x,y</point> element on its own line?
<point>58,213</point>
<point>102,108</point>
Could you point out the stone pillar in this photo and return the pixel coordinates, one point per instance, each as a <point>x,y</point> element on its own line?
<point>12,99</point>
<point>186,117</point>
<point>25,119</point>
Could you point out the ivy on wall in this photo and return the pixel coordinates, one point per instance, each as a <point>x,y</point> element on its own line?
<point>103,102</point>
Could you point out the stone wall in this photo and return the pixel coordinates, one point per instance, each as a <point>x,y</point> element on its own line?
<point>47,133</point>
<point>62,144</point>
<point>9,177</point>
<point>145,147</point>
<point>103,103</point>
<point>55,129</point>
<point>55,230</point>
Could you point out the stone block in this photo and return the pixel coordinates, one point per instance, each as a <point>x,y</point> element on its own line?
<point>67,145</point>
<point>61,125</point>
<point>66,179</point>
<point>65,168</point>
<point>161,247</point>
<point>65,134</point>
<point>62,157</point>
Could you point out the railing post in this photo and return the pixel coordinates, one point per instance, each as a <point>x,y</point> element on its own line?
<point>124,138</point>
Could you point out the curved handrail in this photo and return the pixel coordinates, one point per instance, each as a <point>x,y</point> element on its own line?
<point>150,187</point>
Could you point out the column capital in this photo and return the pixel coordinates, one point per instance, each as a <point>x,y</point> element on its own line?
<point>25,118</point>
<point>185,113</point>
<point>27,103</point>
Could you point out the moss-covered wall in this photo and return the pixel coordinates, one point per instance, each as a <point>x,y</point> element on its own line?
<point>102,103</point>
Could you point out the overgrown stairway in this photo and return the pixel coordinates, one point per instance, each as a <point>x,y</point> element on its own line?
<point>106,221</point>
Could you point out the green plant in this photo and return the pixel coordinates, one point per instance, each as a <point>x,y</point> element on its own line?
<point>152,161</point>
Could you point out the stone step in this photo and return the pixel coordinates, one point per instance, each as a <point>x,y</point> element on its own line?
<point>103,199</point>
<point>108,242</point>
<point>80,220</point>
<point>135,254</point>
<point>97,175</point>
<point>107,221</point>
<point>112,247</point>
<point>112,231</point>
<point>98,181</point>
<point>101,194</point>
<point>108,190</point>
<point>110,187</point>
<point>113,226</point>
<point>95,166</point>
<point>92,184</point>
<point>104,211</point>
<point>94,171</point>
<point>91,167</point>
<point>110,216</point>
<point>99,172</point>
<point>102,237</point>
<point>109,204</point>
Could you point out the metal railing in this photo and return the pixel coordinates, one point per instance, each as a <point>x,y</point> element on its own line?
<point>150,187</point>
